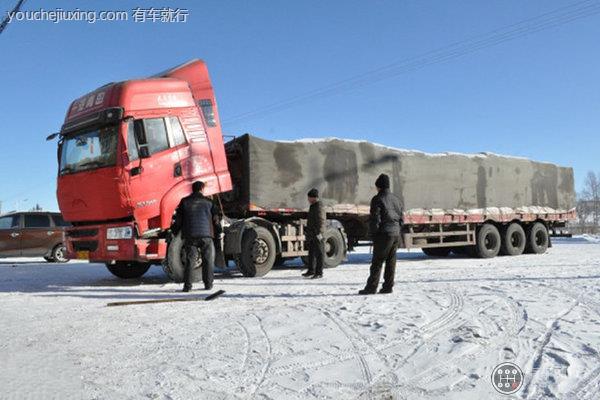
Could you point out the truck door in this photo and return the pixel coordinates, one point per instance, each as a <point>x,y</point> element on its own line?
<point>10,236</point>
<point>37,236</point>
<point>154,162</point>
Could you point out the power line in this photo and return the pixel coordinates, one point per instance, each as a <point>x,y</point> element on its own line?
<point>7,19</point>
<point>550,19</point>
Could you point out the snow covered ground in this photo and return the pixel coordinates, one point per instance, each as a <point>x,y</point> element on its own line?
<point>448,323</point>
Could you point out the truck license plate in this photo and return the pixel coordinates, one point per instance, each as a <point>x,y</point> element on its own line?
<point>83,255</point>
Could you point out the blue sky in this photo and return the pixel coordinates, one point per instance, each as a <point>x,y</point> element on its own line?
<point>536,96</point>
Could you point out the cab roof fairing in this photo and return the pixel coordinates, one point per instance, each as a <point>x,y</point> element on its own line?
<point>133,95</point>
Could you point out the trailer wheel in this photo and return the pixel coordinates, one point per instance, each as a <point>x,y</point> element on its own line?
<point>436,251</point>
<point>334,248</point>
<point>537,239</point>
<point>128,270</point>
<point>258,252</point>
<point>488,241</point>
<point>174,263</point>
<point>513,240</point>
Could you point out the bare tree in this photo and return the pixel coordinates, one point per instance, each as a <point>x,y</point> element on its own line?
<point>589,203</point>
<point>37,207</point>
<point>583,214</point>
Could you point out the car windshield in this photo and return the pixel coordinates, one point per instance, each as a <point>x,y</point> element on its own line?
<point>89,149</point>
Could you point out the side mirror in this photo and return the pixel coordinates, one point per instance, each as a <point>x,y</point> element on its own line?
<point>144,152</point>
<point>52,136</point>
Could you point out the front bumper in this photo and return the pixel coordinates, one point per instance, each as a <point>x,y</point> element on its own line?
<point>90,242</point>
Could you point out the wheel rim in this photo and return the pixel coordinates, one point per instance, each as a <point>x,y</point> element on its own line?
<point>260,251</point>
<point>183,255</point>
<point>516,239</point>
<point>540,238</point>
<point>490,241</point>
<point>330,247</point>
<point>59,254</point>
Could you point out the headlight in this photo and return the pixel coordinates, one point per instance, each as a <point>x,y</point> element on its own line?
<point>124,232</point>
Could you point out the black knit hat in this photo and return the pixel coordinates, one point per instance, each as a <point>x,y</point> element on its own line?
<point>197,186</point>
<point>313,193</point>
<point>383,181</point>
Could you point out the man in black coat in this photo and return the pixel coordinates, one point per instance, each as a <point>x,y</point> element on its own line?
<point>315,227</point>
<point>196,217</point>
<point>384,225</point>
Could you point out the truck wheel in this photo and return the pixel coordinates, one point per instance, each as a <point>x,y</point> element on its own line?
<point>334,248</point>
<point>128,270</point>
<point>488,241</point>
<point>58,254</point>
<point>513,240</point>
<point>174,263</point>
<point>537,239</point>
<point>258,252</point>
<point>437,251</point>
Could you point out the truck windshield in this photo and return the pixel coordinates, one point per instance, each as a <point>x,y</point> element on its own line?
<point>89,149</point>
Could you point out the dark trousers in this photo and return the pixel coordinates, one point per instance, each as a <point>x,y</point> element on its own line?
<point>205,248</point>
<point>316,249</point>
<point>384,249</point>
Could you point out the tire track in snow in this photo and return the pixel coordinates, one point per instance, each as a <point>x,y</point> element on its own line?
<point>439,370</point>
<point>268,357</point>
<point>366,372</point>
<point>537,359</point>
<point>428,330</point>
<point>455,306</point>
<point>587,388</point>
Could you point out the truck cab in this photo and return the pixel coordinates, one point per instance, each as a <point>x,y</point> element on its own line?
<point>127,153</point>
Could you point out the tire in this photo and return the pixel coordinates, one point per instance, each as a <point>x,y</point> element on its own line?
<point>513,240</point>
<point>437,251</point>
<point>258,252</point>
<point>49,259</point>
<point>58,254</point>
<point>128,270</point>
<point>537,239</point>
<point>488,241</point>
<point>334,248</point>
<point>174,264</point>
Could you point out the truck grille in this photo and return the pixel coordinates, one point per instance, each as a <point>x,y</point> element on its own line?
<point>85,245</point>
<point>82,233</point>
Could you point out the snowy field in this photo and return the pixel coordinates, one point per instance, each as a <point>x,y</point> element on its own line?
<point>440,334</point>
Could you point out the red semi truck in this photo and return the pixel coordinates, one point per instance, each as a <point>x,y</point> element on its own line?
<point>129,151</point>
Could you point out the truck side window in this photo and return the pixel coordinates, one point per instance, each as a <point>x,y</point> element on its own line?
<point>156,135</point>
<point>131,143</point>
<point>208,111</point>
<point>177,137</point>
<point>37,221</point>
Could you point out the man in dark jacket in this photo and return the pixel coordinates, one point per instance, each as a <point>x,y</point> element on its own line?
<point>196,217</point>
<point>315,227</point>
<point>384,225</point>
